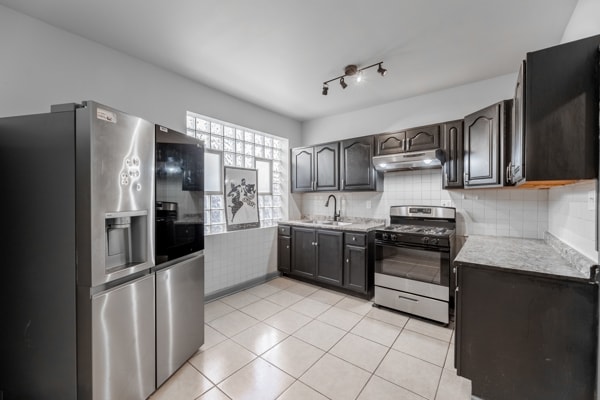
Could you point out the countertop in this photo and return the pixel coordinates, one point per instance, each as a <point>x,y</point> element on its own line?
<point>356,224</point>
<point>550,257</point>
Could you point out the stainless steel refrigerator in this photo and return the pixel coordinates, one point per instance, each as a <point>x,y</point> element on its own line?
<point>179,249</point>
<point>77,293</point>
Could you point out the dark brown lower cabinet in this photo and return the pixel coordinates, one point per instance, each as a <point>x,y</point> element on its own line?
<point>355,271</point>
<point>332,257</point>
<point>303,252</point>
<point>523,336</point>
<point>329,254</point>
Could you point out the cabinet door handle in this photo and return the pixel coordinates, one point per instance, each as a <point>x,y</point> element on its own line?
<point>509,172</point>
<point>342,183</point>
<point>466,176</point>
<point>348,260</point>
<point>354,238</point>
<point>408,298</point>
<point>287,247</point>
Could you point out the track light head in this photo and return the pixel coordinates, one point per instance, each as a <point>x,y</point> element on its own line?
<point>342,83</point>
<point>381,70</point>
<point>325,89</point>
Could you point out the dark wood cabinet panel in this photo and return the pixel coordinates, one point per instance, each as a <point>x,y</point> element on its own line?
<point>516,165</point>
<point>329,256</point>
<point>557,112</point>
<point>284,253</point>
<point>355,268</point>
<point>453,146</point>
<point>332,257</point>
<point>302,169</point>
<point>521,336</point>
<point>357,171</point>
<point>315,168</point>
<point>390,143</point>
<point>303,252</point>
<point>424,138</point>
<point>326,167</point>
<point>484,133</point>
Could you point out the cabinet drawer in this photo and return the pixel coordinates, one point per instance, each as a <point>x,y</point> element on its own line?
<point>284,230</point>
<point>412,303</point>
<point>356,239</point>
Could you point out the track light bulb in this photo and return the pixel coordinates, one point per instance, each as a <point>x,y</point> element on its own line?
<point>359,77</point>
<point>342,83</point>
<point>325,89</point>
<point>381,70</point>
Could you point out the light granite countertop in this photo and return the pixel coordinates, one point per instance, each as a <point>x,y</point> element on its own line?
<point>353,224</point>
<point>550,257</point>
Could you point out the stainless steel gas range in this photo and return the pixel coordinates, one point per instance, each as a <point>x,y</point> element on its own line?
<point>412,261</point>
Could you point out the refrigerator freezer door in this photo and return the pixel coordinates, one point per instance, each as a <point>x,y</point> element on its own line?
<point>123,339</point>
<point>115,189</point>
<point>179,315</point>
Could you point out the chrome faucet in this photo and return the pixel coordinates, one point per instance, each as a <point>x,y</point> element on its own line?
<point>336,216</point>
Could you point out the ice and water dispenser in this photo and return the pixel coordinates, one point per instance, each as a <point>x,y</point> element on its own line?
<point>126,239</point>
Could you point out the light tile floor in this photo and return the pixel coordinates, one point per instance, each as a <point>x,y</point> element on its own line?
<point>289,340</point>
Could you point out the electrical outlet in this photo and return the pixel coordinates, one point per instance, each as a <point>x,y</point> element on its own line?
<point>368,204</point>
<point>591,204</point>
<point>446,203</point>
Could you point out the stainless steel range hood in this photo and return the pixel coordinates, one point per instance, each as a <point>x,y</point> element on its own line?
<point>407,161</point>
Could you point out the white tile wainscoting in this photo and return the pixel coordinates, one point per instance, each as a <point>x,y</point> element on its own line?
<point>234,258</point>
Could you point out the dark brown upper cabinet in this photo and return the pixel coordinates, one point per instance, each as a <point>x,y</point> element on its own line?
<point>417,139</point>
<point>390,143</point>
<point>424,138</point>
<point>302,169</point>
<point>554,139</point>
<point>357,171</point>
<point>315,168</point>
<point>452,139</point>
<point>484,137</point>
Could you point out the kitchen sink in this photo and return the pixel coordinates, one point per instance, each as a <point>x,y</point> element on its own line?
<point>334,223</point>
<point>325,222</point>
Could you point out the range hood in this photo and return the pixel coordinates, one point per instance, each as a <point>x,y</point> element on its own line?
<point>407,161</point>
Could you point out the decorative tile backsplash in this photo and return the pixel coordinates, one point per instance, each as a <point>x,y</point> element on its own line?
<point>572,219</point>
<point>496,212</point>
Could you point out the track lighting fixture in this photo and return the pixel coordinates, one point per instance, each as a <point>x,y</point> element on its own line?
<point>351,70</point>
<point>342,83</point>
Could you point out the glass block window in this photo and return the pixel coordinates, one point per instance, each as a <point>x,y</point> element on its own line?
<point>231,145</point>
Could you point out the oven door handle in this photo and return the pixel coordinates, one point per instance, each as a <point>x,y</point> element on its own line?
<point>408,298</point>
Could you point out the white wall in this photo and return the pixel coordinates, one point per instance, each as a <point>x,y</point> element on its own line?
<point>444,105</point>
<point>584,22</point>
<point>42,65</point>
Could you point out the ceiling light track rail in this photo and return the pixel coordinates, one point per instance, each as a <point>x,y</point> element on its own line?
<point>352,70</point>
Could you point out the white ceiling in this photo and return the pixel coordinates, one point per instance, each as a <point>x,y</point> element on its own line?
<point>277,53</point>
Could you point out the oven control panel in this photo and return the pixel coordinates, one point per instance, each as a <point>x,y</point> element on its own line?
<point>399,238</point>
